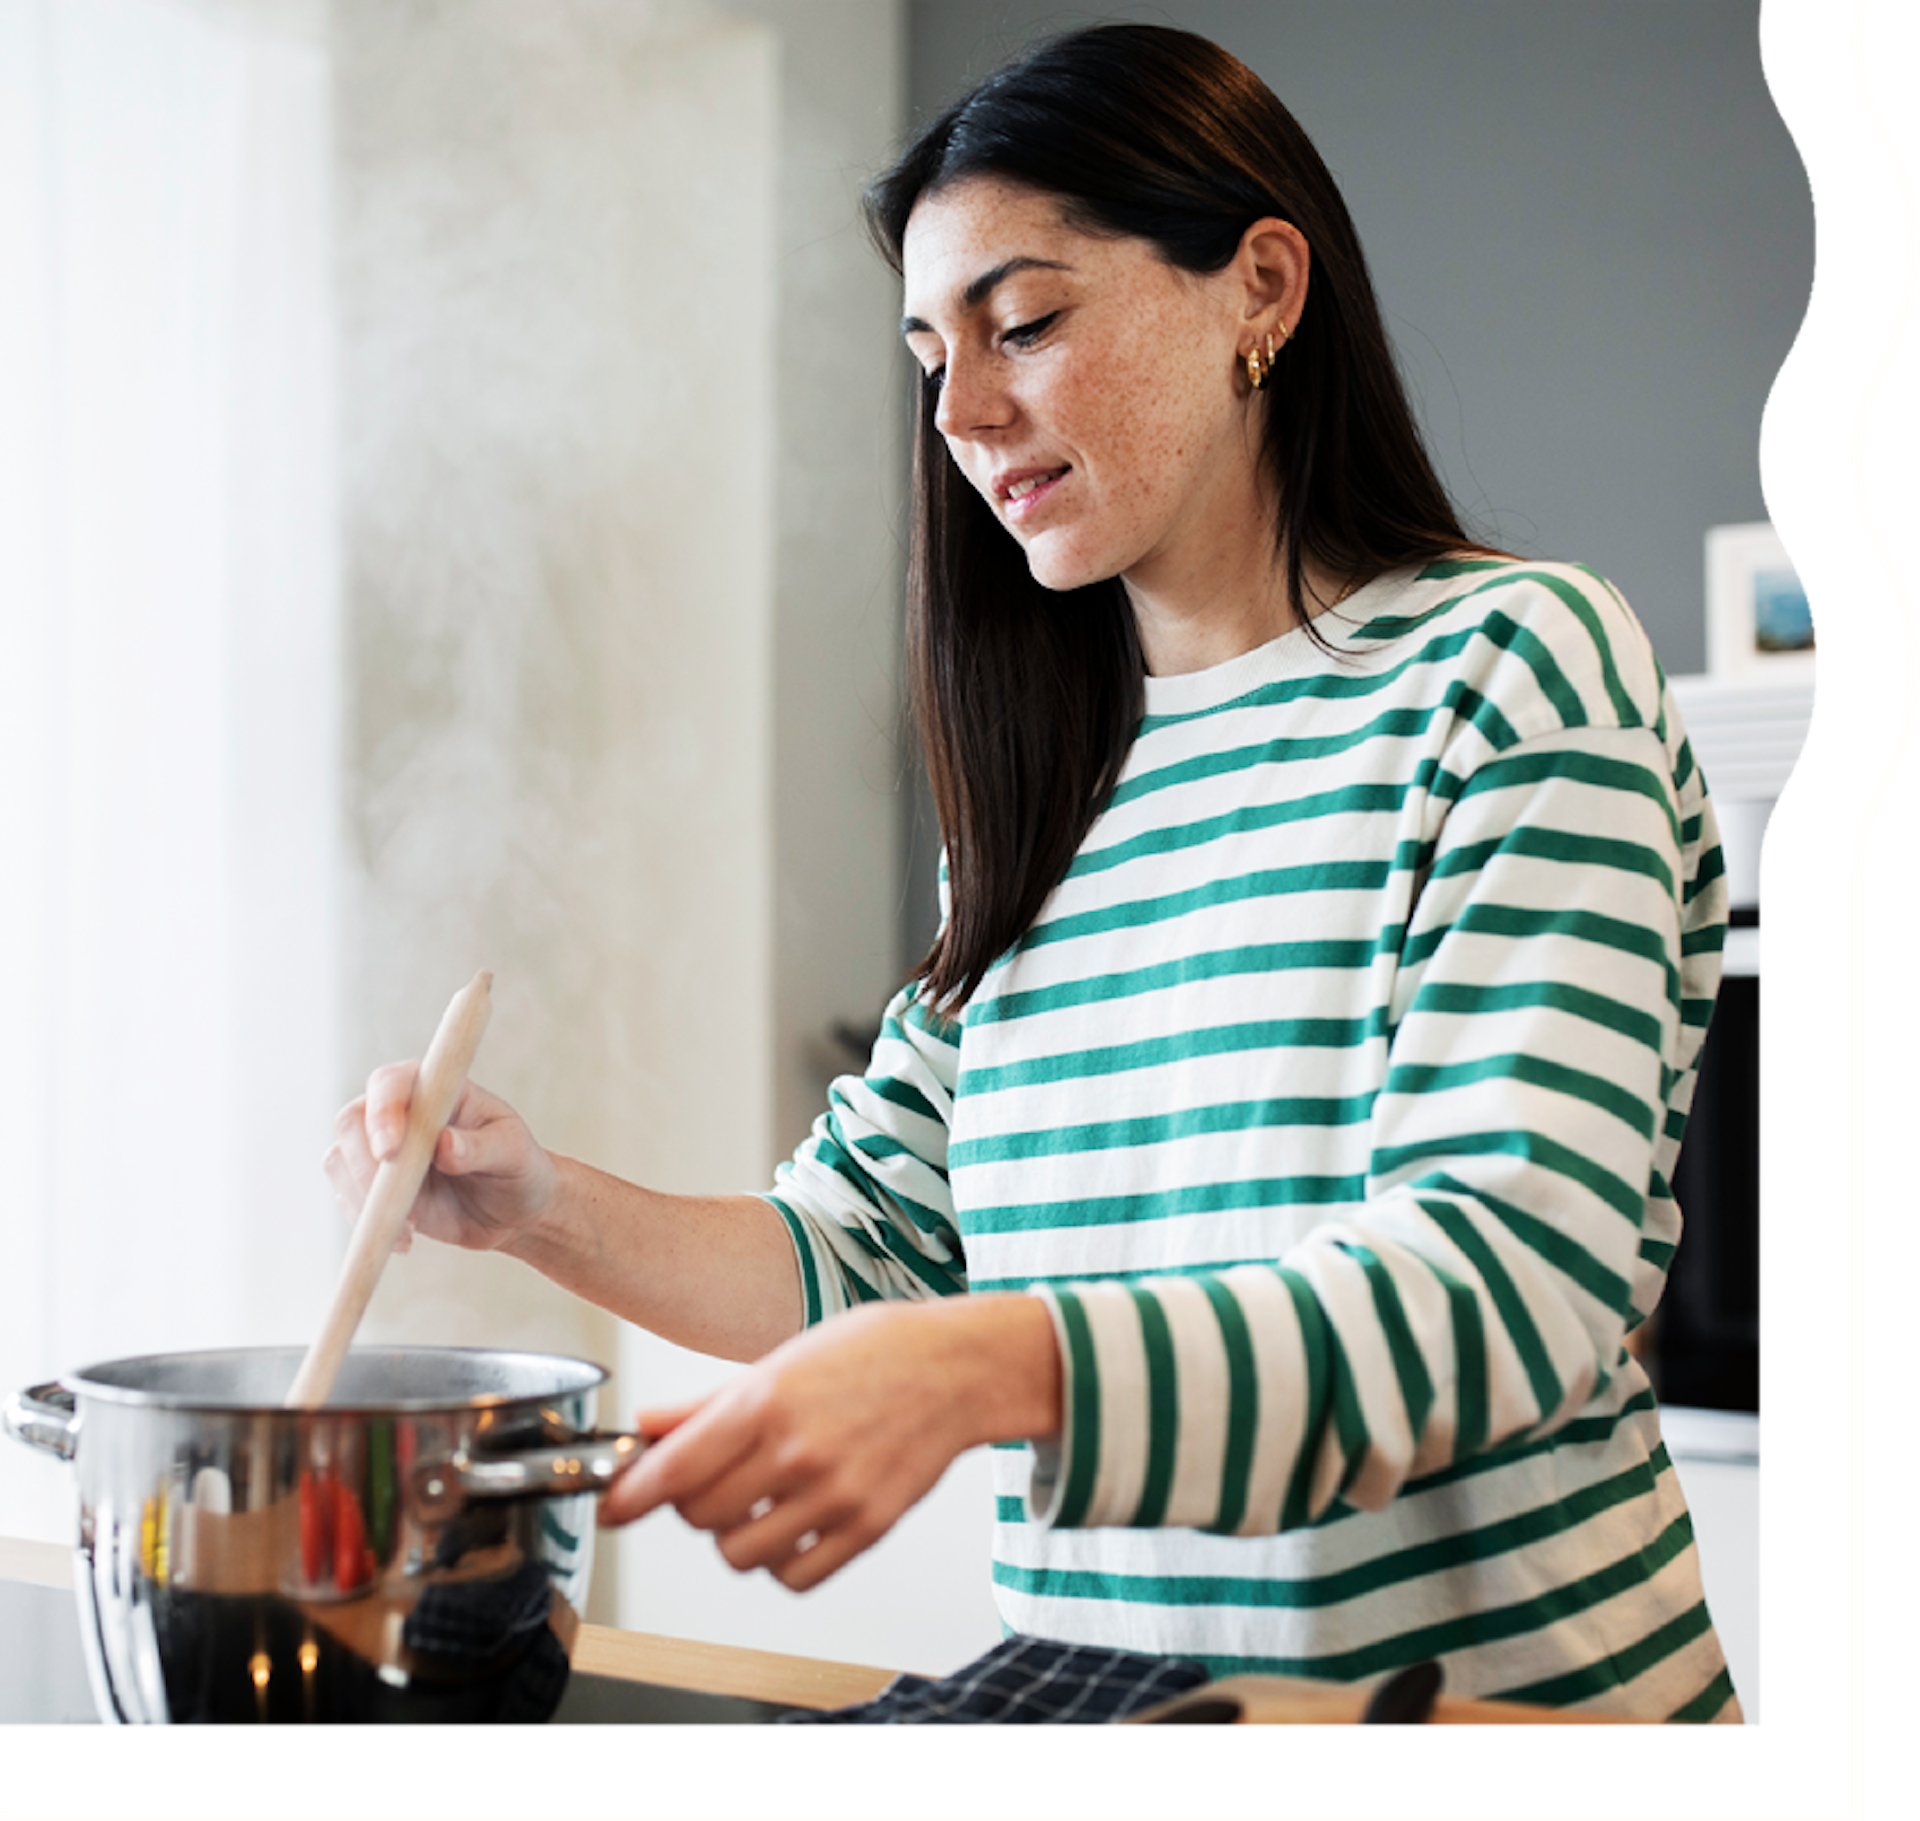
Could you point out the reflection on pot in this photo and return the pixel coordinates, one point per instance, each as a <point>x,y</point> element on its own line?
<point>242,1562</point>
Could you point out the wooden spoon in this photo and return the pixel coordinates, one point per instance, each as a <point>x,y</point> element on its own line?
<point>395,1184</point>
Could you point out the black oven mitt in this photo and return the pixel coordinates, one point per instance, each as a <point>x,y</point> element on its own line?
<point>1025,1682</point>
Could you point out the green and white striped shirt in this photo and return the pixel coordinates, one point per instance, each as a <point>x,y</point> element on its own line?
<point>1331,1103</point>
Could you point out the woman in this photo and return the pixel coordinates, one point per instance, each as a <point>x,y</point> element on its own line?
<point>1270,1157</point>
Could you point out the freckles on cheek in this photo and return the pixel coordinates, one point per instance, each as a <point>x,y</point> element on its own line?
<point>1134,495</point>
<point>1150,451</point>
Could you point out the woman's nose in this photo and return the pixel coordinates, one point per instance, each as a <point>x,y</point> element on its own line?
<point>971,398</point>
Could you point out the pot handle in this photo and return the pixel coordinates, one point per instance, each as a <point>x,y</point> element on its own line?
<point>43,1416</point>
<point>587,1463</point>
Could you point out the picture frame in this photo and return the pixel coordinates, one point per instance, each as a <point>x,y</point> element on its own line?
<point>1759,626</point>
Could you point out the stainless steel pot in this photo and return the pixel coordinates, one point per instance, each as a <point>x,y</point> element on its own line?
<point>417,1549</point>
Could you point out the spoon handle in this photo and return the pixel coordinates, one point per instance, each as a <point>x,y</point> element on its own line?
<point>395,1184</point>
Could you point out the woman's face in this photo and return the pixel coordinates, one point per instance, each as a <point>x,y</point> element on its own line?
<point>1090,391</point>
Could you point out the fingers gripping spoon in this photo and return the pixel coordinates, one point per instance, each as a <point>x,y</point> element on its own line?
<point>395,1184</point>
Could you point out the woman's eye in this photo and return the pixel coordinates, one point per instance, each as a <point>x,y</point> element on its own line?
<point>1027,333</point>
<point>1021,335</point>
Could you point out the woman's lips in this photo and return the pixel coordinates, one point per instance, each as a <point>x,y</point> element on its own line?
<point>1021,497</point>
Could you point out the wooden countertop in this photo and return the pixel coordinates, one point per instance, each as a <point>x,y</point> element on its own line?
<point>601,1650</point>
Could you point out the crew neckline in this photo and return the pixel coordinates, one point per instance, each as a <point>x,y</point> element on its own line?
<point>1294,653</point>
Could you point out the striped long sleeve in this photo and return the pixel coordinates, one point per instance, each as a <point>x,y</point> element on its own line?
<point>1330,1103</point>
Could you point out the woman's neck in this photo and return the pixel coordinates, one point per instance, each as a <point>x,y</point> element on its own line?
<point>1218,612</point>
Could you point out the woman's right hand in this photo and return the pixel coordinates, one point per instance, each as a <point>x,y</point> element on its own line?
<point>489,1181</point>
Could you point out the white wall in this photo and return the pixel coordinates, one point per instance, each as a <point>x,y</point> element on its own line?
<point>557,303</point>
<point>169,694</point>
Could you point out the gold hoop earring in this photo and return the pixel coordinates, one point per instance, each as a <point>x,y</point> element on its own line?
<point>1259,371</point>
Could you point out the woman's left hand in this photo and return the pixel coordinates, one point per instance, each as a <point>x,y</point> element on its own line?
<point>816,1451</point>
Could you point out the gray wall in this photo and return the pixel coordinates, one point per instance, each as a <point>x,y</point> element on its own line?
<point>1589,229</point>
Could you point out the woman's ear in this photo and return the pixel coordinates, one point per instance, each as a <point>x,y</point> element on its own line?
<point>1273,265</point>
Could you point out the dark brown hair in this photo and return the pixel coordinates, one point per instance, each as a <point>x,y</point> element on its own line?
<point>1028,699</point>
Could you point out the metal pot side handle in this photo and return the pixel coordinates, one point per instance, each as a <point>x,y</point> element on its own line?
<point>588,1463</point>
<point>43,1416</point>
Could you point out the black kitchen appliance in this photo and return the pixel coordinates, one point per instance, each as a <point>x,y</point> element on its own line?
<point>1703,1349</point>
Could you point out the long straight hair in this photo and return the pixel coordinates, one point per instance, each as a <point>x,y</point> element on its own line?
<point>1028,699</point>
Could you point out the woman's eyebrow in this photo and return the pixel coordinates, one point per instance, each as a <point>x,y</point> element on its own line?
<point>983,287</point>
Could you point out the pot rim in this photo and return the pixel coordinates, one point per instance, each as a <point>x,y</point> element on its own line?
<point>573,1375</point>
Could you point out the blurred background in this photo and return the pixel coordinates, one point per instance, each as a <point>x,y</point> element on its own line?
<point>451,478</point>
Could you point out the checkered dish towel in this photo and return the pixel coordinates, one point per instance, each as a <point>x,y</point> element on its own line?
<point>1025,1682</point>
